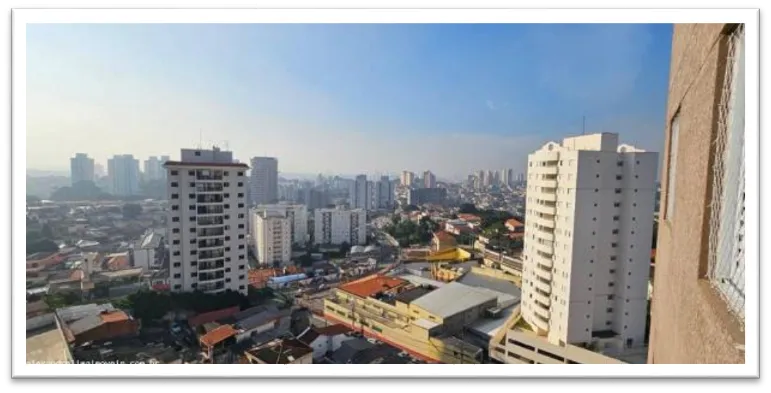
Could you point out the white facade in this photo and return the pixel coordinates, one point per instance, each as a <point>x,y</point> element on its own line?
<point>207,222</point>
<point>338,226</point>
<point>263,180</point>
<point>359,193</point>
<point>272,237</point>
<point>123,171</point>
<point>298,220</point>
<point>588,239</point>
<point>81,168</point>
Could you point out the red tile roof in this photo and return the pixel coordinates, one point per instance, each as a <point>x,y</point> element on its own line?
<point>212,316</point>
<point>115,316</point>
<point>371,285</point>
<point>444,237</point>
<point>469,217</point>
<point>222,164</point>
<point>513,223</point>
<point>218,335</point>
<point>333,330</point>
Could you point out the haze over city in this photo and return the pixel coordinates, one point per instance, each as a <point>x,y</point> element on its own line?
<point>341,98</point>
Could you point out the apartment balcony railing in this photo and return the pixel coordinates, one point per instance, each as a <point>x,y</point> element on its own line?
<point>219,264</point>
<point>210,221</point>
<point>205,174</point>
<point>212,287</point>
<point>210,198</point>
<point>545,287</point>
<point>544,299</point>
<point>211,232</point>
<point>542,312</point>
<point>205,244</point>
<point>209,277</point>
<point>204,210</point>
<point>209,187</point>
<point>210,254</point>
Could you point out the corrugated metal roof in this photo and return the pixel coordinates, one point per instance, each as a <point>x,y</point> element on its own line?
<point>453,298</point>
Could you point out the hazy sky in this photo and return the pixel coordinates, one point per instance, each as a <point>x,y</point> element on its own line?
<point>341,98</point>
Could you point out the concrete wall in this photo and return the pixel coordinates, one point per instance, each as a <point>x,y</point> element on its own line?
<point>690,323</point>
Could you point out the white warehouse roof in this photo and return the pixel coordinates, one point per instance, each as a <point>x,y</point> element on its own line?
<point>453,298</point>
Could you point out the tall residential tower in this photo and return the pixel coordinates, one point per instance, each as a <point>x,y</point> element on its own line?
<point>588,240</point>
<point>207,222</point>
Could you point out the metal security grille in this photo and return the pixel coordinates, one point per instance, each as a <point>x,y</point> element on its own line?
<point>726,241</point>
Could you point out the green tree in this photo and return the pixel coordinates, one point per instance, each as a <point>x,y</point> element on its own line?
<point>41,245</point>
<point>59,300</point>
<point>47,232</point>
<point>132,210</point>
<point>467,208</point>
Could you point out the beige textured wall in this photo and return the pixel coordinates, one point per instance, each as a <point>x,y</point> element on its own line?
<point>689,322</point>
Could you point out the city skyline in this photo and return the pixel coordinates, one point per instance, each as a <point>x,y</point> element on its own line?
<point>381,99</point>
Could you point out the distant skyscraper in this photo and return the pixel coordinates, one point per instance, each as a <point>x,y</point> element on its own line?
<point>488,181</point>
<point>429,180</point>
<point>264,180</point>
<point>153,168</point>
<point>407,178</point>
<point>207,222</point>
<point>507,178</point>
<point>383,193</point>
<point>123,171</point>
<point>359,194</point>
<point>81,168</point>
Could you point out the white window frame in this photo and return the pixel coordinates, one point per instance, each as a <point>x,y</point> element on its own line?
<point>726,246</point>
<point>674,135</point>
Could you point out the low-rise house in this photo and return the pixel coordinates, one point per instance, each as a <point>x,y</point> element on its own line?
<point>93,322</point>
<point>325,340</point>
<point>287,351</point>
<point>442,241</point>
<point>255,322</point>
<point>514,225</point>
<point>217,341</point>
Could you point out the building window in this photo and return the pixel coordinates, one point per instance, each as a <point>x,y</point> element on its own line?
<point>175,230</point>
<point>191,196</point>
<point>240,246</point>
<point>174,173</point>
<point>175,219</point>
<point>225,173</point>
<point>226,184</point>
<point>618,191</point>
<point>240,236</point>
<point>177,264</point>
<point>174,184</point>
<point>193,252</point>
<point>177,287</point>
<point>240,184</point>
<point>615,218</point>
<point>240,205</point>
<point>193,274</point>
<point>176,253</point>
<point>241,287</point>
<point>177,275</point>
<point>241,267</point>
<point>175,241</point>
<point>174,196</point>
<point>725,268</point>
<point>174,207</point>
<point>240,173</point>
<point>241,277</point>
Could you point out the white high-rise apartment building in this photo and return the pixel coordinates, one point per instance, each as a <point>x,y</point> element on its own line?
<point>272,237</point>
<point>359,194</point>
<point>263,180</point>
<point>207,222</point>
<point>407,178</point>
<point>81,168</point>
<point>429,180</point>
<point>338,226</point>
<point>297,216</point>
<point>588,240</point>
<point>123,171</point>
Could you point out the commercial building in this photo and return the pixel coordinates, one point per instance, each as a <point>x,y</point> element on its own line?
<point>272,237</point>
<point>588,232</point>
<point>338,226</point>
<point>263,180</point>
<point>207,222</point>
<point>81,168</point>
<point>698,292</point>
<point>297,217</point>
<point>428,321</point>
<point>123,171</point>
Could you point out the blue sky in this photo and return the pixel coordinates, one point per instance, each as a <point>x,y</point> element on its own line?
<point>342,98</point>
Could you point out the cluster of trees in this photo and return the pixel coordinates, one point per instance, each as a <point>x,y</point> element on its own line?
<point>152,306</point>
<point>41,241</point>
<point>64,299</point>
<point>80,191</point>
<point>407,232</point>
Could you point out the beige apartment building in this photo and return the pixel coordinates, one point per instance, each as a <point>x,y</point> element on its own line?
<point>698,293</point>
